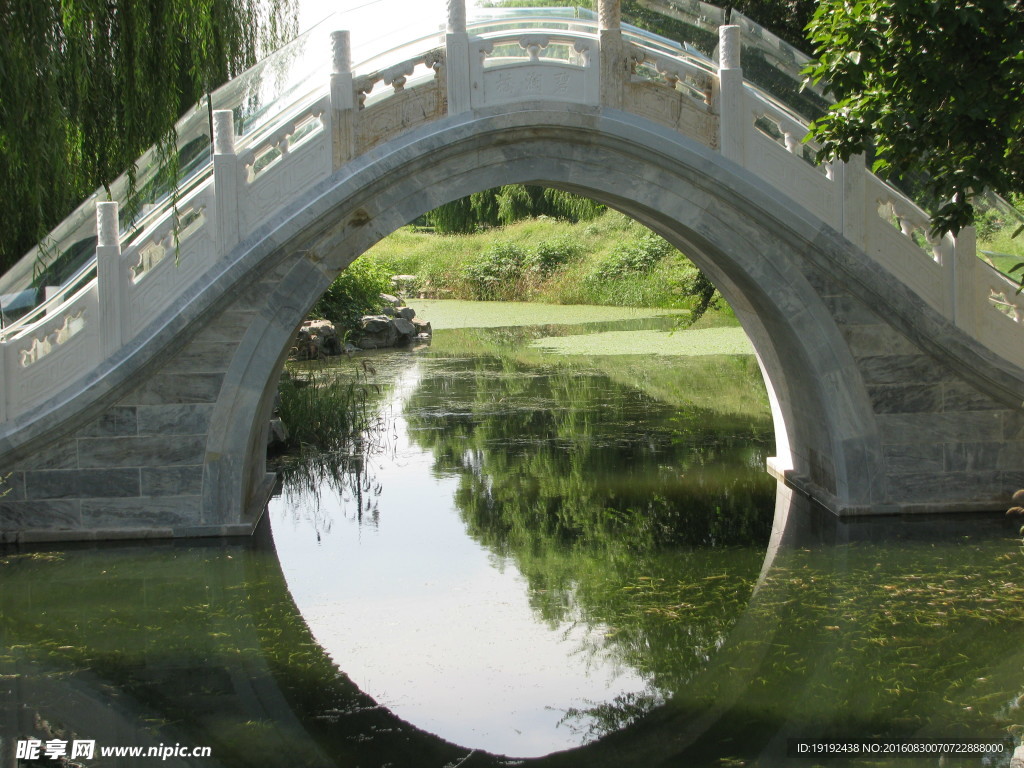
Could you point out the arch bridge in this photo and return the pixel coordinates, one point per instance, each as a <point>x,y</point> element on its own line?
<point>136,396</point>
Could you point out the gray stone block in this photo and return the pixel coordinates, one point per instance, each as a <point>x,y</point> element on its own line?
<point>917,487</point>
<point>25,515</point>
<point>902,369</point>
<point>961,396</point>
<point>81,483</point>
<point>970,457</point>
<point>203,357</point>
<point>118,421</point>
<point>143,451</point>
<point>228,326</point>
<point>167,512</point>
<point>206,531</point>
<point>987,485</point>
<point>62,455</point>
<point>850,311</point>
<point>178,419</point>
<point>166,388</point>
<point>906,398</point>
<point>984,426</point>
<point>1013,425</point>
<point>12,486</point>
<point>900,459</point>
<point>172,481</point>
<point>873,340</point>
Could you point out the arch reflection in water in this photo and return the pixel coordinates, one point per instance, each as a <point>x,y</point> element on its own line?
<point>542,526</point>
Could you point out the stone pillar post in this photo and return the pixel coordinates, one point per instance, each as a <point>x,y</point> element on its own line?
<point>963,280</point>
<point>111,277</point>
<point>225,178</point>
<point>732,125</point>
<point>456,64</point>
<point>343,113</point>
<point>853,177</point>
<point>612,54</point>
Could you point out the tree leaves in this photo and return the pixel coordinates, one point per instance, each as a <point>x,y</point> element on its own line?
<point>89,85</point>
<point>932,89</point>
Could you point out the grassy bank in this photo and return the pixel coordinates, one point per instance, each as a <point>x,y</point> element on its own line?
<point>611,260</point>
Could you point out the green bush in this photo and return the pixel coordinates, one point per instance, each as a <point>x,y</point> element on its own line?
<point>354,293</point>
<point>637,257</point>
<point>551,255</point>
<point>498,272</point>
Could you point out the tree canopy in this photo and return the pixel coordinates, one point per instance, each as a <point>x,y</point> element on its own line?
<point>933,89</point>
<point>89,85</point>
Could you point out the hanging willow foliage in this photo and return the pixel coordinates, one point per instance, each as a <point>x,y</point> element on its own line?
<point>89,85</point>
<point>508,204</point>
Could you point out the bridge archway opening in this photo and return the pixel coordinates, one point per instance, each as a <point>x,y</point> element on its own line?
<point>749,245</point>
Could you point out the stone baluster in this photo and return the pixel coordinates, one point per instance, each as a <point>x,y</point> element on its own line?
<point>965,302</point>
<point>343,112</point>
<point>732,97</point>
<point>457,63</point>
<point>225,178</point>
<point>111,277</point>
<point>851,178</point>
<point>614,65</point>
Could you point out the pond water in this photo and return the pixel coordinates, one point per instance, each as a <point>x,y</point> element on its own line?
<point>558,540</point>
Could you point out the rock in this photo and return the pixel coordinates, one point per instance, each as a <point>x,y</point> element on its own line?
<point>379,339</point>
<point>422,327</point>
<point>277,435</point>
<point>404,327</point>
<point>408,313</point>
<point>374,323</point>
<point>404,283</point>
<point>314,340</point>
<point>394,301</point>
<point>389,311</point>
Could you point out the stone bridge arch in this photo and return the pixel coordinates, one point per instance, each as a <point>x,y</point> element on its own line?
<point>137,406</point>
<point>756,249</point>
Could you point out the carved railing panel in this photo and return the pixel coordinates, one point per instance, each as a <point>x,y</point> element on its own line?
<point>775,151</point>
<point>548,65</point>
<point>673,92</point>
<point>280,163</point>
<point>44,357</point>
<point>161,265</point>
<point>893,228</point>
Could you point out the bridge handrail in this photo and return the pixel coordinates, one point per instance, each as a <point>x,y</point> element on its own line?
<point>292,140</point>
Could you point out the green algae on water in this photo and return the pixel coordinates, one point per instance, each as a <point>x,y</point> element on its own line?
<point>691,343</point>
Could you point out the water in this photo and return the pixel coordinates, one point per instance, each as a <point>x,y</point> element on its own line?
<point>542,549</point>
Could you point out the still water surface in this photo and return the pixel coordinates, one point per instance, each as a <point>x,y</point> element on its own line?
<point>543,547</point>
<point>514,482</point>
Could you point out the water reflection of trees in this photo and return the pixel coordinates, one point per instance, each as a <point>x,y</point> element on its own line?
<point>635,517</point>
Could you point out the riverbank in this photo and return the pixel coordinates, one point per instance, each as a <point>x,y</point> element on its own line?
<point>610,261</point>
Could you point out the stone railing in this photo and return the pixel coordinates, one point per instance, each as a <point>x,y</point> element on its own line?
<point>140,275</point>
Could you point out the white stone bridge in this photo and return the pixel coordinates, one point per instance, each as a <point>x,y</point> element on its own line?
<point>135,398</point>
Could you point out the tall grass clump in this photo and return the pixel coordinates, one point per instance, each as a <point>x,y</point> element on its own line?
<point>335,424</point>
<point>325,413</point>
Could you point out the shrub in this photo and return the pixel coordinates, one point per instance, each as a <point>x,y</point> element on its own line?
<point>497,273</point>
<point>551,255</point>
<point>354,293</point>
<point>637,257</point>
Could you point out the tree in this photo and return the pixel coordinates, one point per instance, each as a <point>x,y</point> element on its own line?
<point>932,88</point>
<point>89,85</point>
